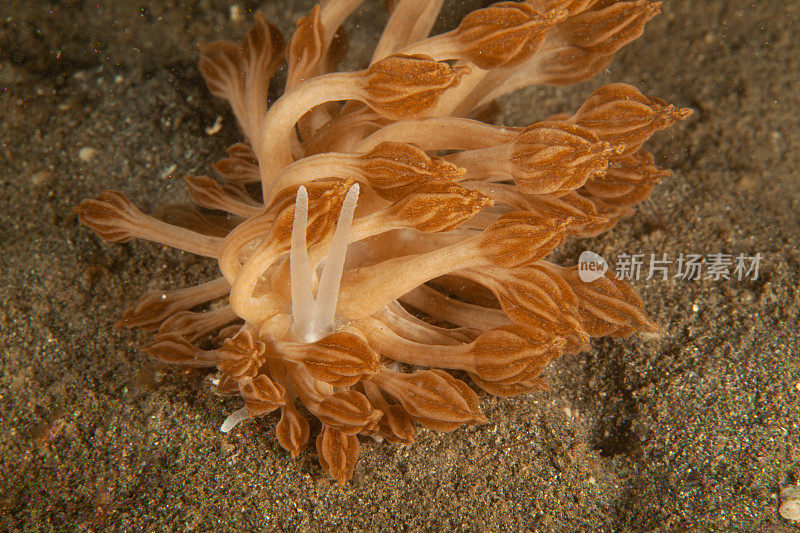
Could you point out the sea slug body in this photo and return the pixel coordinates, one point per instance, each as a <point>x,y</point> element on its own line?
<point>382,250</point>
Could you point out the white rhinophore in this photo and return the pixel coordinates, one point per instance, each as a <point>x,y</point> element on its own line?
<point>299,269</point>
<point>314,316</point>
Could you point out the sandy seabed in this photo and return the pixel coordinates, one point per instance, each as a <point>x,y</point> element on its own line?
<point>693,430</point>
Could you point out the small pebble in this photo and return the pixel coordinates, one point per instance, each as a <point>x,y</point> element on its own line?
<point>227,448</point>
<point>235,13</point>
<point>214,129</point>
<point>87,153</point>
<point>790,503</point>
<point>41,177</point>
<point>168,171</point>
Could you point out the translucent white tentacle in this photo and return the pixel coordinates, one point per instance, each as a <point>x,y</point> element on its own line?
<point>328,291</point>
<point>299,269</point>
<point>235,417</point>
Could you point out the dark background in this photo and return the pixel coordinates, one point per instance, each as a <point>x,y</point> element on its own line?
<point>693,430</point>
